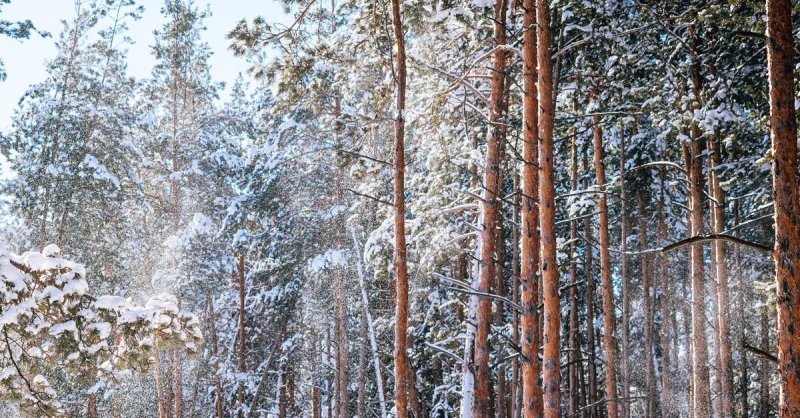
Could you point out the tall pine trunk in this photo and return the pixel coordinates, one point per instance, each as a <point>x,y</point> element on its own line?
<point>551,380</point>
<point>531,366</point>
<point>400,257</point>
<point>626,285</point>
<point>482,406</point>
<point>721,272</point>
<point>786,190</point>
<point>700,370</point>
<point>648,295</point>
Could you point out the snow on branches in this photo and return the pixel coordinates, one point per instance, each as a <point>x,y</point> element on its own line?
<point>49,322</point>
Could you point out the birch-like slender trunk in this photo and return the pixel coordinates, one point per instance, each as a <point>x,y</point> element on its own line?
<point>376,360</point>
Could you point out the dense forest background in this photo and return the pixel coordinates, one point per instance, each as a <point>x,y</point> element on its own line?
<point>426,208</point>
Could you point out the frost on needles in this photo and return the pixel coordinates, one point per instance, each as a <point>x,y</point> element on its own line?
<point>50,324</point>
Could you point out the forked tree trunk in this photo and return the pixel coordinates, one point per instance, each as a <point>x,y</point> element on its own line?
<point>529,231</point>
<point>609,315</point>
<point>400,256</point>
<point>551,381</point>
<point>786,190</point>
<point>482,406</point>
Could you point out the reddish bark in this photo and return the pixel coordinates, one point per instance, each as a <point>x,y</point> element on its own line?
<point>400,256</point>
<point>551,381</point>
<point>531,366</point>
<point>786,190</point>
<point>609,314</point>
<point>482,407</point>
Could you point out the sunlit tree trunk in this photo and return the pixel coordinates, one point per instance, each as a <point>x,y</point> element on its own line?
<point>482,406</point>
<point>786,191</point>
<point>529,230</point>
<point>551,381</point>
<point>400,257</point>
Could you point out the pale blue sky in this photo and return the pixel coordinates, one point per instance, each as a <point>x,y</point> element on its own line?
<point>24,61</point>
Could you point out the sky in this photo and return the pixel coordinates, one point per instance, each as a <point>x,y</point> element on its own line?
<point>25,60</point>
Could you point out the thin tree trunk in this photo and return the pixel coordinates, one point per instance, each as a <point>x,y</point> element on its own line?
<point>516,388</point>
<point>786,191</point>
<point>162,411</point>
<point>376,361</point>
<point>400,257</point>
<point>242,337</point>
<point>529,316</point>
<point>551,381</point>
<point>170,400</point>
<point>91,406</point>
<point>626,285</point>
<point>501,409</point>
<point>594,410</point>
<point>177,360</point>
<point>574,336</point>
<point>666,313</point>
<point>763,375</point>
<point>609,315</point>
<point>218,395</point>
<point>328,389</point>
<point>687,332</point>
<point>316,401</point>
<point>648,295</point>
<point>342,342</point>
<point>723,306</point>
<point>361,401</point>
<point>744,380</point>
